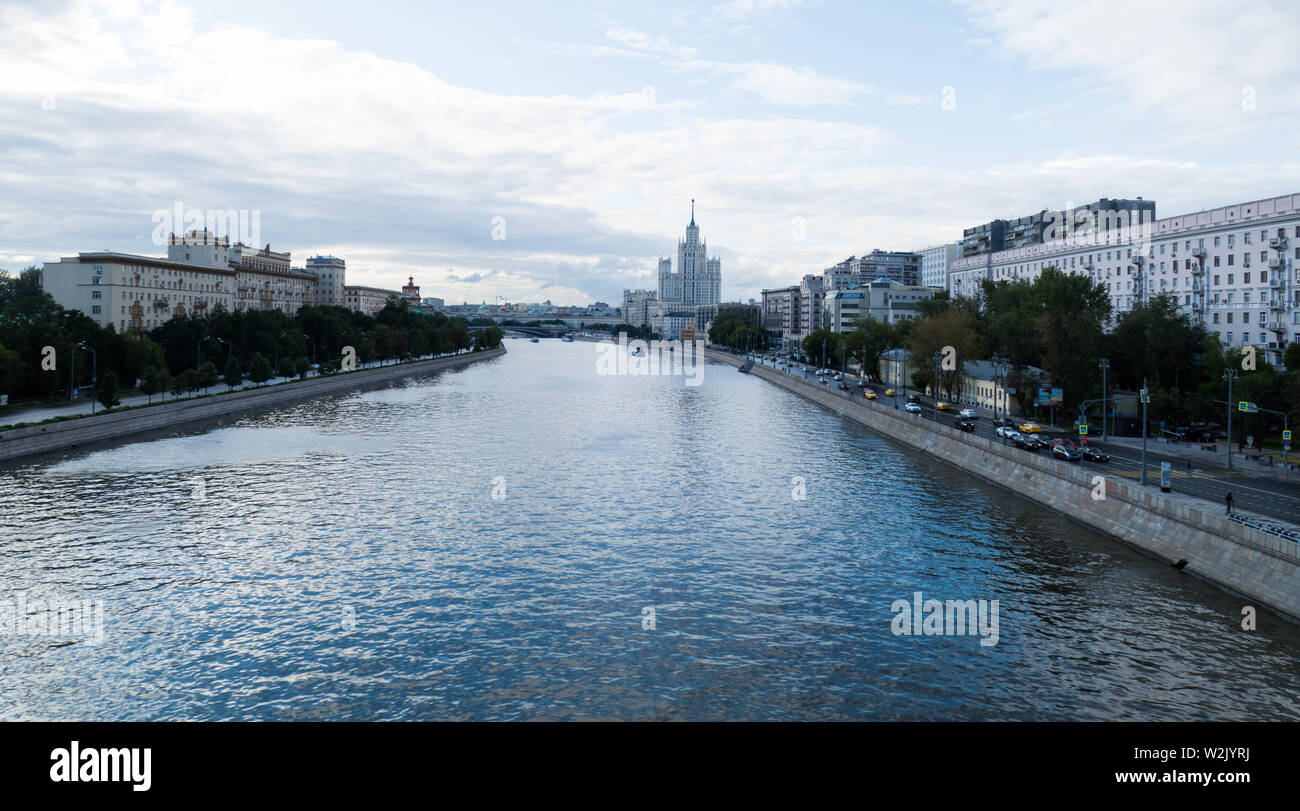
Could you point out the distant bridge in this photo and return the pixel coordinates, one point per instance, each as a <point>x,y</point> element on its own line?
<point>544,331</point>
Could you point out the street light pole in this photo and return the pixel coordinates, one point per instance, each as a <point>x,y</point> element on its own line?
<point>1104,364</point>
<point>94,373</point>
<point>1229,375</point>
<point>1146,398</point>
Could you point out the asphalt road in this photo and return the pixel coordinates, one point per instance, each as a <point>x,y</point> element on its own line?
<point>1262,496</point>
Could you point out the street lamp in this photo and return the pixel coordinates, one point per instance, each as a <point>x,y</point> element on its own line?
<point>1104,364</point>
<point>1230,375</point>
<point>94,372</point>
<point>1146,398</point>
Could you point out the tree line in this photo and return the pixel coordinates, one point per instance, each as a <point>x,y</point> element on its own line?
<point>190,352</point>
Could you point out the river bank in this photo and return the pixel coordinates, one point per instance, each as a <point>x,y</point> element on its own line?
<point>56,436</point>
<point>1184,531</point>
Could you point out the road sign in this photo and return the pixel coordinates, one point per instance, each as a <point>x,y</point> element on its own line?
<point>1249,408</point>
<point>1083,430</point>
<point>1286,435</point>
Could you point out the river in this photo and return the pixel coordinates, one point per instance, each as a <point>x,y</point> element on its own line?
<point>527,539</point>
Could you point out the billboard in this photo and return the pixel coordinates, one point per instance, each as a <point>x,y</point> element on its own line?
<point>1049,396</point>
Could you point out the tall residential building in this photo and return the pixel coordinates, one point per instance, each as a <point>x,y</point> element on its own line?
<point>935,263</point>
<point>638,307</point>
<point>1232,269</point>
<point>697,282</point>
<point>1046,226</point>
<point>330,271</point>
<point>781,315</point>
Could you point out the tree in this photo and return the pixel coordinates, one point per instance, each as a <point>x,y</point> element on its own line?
<point>301,365</point>
<point>824,346</point>
<point>206,376</point>
<point>949,329</point>
<point>234,375</point>
<point>259,369</point>
<point>869,340</point>
<point>155,381</point>
<point>106,390</point>
<point>736,327</point>
<point>181,382</point>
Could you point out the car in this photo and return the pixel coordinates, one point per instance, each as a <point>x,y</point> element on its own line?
<point>889,392</point>
<point>964,425</point>
<point>912,398</point>
<point>839,376</point>
<point>1066,452</point>
<point>968,414</point>
<point>913,408</point>
<point>869,394</point>
<point>1004,431</point>
<point>825,380</point>
<point>943,405</point>
<point>1030,428</point>
<point>1002,421</point>
<point>844,387</point>
<point>1025,442</point>
<point>1091,454</point>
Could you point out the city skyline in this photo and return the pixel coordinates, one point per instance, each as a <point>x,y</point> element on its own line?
<point>497,126</point>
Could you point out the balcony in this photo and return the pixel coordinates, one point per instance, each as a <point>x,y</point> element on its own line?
<point>1198,304</point>
<point>1198,269</point>
<point>1198,285</point>
<point>1277,304</point>
<point>1277,282</point>
<point>1276,326</point>
<point>1277,243</point>
<point>1276,263</point>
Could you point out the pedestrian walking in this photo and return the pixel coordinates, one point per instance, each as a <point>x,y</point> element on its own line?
<point>1228,499</point>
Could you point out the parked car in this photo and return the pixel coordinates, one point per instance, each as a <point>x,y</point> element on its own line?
<point>964,425</point>
<point>1091,454</point>
<point>869,394</point>
<point>1066,452</point>
<point>913,408</point>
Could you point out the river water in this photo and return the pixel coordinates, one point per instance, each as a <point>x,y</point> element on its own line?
<point>527,539</point>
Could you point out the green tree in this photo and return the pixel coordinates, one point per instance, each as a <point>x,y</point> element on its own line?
<point>155,381</point>
<point>234,375</point>
<point>868,341</point>
<point>206,376</point>
<point>301,365</point>
<point>824,347</point>
<point>259,368</point>
<point>934,335</point>
<point>106,391</point>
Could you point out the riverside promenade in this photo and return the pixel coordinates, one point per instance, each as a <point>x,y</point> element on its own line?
<point>1189,533</point>
<point>56,436</point>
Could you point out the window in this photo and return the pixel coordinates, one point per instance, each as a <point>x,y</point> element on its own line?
<point>96,309</point>
<point>1246,238</point>
<point>1216,242</point>
<point>1230,257</point>
<point>96,294</point>
<point>1230,278</point>
<point>1231,240</point>
<point>1216,316</point>
<point>1216,280</point>
<point>1230,318</point>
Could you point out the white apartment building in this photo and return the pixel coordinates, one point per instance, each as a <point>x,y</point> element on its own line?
<point>780,310</point>
<point>200,272</point>
<point>935,263</point>
<point>330,272</point>
<point>367,300</point>
<point>1232,269</point>
<point>883,300</point>
<point>639,306</point>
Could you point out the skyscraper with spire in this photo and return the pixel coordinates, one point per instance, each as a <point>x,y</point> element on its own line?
<point>698,278</point>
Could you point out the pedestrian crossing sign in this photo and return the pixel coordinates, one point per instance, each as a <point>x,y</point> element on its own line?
<point>1083,430</point>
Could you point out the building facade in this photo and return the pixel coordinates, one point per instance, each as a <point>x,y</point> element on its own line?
<point>697,282</point>
<point>367,300</point>
<point>1231,269</point>
<point>1047,225</point>
<point>935,263</point>
<point>330,272</point>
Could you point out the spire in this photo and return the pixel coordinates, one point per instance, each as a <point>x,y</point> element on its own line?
<point>693,212</point>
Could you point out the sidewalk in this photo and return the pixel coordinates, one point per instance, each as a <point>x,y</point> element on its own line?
<point>39,413</point>
<point>1253,464</point>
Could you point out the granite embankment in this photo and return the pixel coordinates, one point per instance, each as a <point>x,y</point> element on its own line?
<point>1176,528</point>
<point>57,436</point>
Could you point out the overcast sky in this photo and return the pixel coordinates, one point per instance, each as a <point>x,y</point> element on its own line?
<point>393,133</point>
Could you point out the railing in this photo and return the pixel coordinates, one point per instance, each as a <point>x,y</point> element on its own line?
<point>1264,526</point>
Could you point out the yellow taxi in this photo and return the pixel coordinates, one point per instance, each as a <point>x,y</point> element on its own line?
<point>943,405</point>
<point>870,395</point>
<point>889,392</point>
<point>1030,428</point>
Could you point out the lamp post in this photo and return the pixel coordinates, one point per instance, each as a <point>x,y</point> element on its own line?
<point>1146,398</point>
<point>1104,364</point>
<point>94,372</point>
<point>1230,375</point>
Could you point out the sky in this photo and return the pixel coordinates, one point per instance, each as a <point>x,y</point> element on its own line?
<point>525,151</point>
